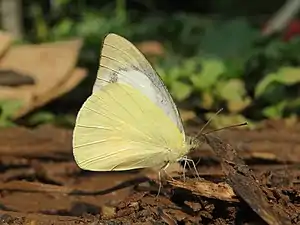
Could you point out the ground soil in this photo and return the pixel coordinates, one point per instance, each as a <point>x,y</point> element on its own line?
<point>41,184</point>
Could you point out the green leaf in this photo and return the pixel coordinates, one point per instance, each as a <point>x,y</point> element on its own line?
<point>212,69</point>
<point>41,117</point>
<point>275,111</point>
<point>274,49</point>
<point>234,67</point>
<point>294,104</point>
<point>191,66</point>
<point>180,91</point>
<point>289,75</point>
<point>67,120</point>
<point>234,93</point>
<point>7,123</point>
<point>7,109</point>
<point>207,100</point>
<point>238,105</point>
<point>285,76</point>
<point>197,81</point>
<point>231,90</point>
<point>229,39</point>
<point>63,29</point>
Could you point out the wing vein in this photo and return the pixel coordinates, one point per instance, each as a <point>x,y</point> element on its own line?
<point>96,127</point>
<point>129,56</point>
<point>91,143</point>
<point>114,59</point>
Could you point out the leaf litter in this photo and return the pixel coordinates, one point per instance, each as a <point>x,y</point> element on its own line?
<point>41,184</point>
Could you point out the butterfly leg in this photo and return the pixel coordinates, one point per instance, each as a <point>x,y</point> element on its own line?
<point>159,180</point>
<point>184,159</point>
<point>184,166</point>
<point>165,171</point>
<point>187,162</point>
<point>159,176</point>
<point>194,167</point>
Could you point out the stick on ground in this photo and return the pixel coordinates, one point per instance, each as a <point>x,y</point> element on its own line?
<point>243,181</point>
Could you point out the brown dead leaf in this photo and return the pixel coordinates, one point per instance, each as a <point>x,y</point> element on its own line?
<point>72,81</point>
<point>51,66</point>
<point>5,41</point>
<point>151,48</point>
<point>187,115</point>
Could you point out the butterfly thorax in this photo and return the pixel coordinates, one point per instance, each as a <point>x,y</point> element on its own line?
<point>180,151</point>
<point>192,143</point>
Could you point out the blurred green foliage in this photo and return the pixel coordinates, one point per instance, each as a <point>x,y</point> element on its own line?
<point>7,109</point>
<point>209,63</point>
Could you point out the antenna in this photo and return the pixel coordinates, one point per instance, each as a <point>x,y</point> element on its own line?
<point>209,120</point>
<point>227,127</point>
<point>232,126</point>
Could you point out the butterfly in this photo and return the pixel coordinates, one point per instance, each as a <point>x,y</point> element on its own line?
<point>130,121</point>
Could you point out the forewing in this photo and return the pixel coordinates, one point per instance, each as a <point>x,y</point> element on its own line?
<point>122,62</point>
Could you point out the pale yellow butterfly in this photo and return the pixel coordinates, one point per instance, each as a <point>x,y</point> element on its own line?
<point>130,121</point>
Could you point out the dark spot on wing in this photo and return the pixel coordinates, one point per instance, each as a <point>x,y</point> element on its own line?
<point>123,69</point>
<point>114,75</point>
<point>113,78</point>
<point>137,68</point>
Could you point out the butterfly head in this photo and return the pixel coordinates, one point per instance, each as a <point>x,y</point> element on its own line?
<point>193,143</point>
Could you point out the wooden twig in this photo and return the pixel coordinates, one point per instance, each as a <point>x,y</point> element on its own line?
<point>221,191</point>
<point>243,181</point>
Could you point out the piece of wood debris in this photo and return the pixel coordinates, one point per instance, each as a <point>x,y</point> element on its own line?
<point>243,181</point>
<point>221,191</point>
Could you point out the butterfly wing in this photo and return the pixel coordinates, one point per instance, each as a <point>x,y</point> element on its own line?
<point>119,128</point>
<point>122,62</point>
